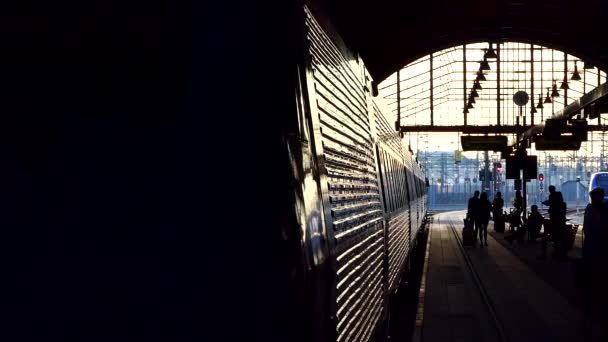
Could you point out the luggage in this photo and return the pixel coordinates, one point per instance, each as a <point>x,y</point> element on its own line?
<point>499,226</point>
<point>468,233</point>
<point>499,222</point>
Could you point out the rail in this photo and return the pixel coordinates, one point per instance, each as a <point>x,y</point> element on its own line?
<point>484,295</point>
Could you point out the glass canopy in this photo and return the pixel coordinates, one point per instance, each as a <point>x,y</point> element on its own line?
<point>437,88</point>
<point>440,85</point>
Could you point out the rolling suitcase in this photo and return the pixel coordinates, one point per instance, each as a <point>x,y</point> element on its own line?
<point>468,233</point>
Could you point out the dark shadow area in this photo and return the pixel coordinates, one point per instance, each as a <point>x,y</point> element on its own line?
<point>404,304</point>
<point>557,274</point>
<point>120,152</point>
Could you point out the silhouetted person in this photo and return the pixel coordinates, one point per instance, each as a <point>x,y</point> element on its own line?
<point>518,204</point>
<point>595,258</point>
<point>594,227</point>
<point>497,206</point>
<point>483,218</point>
<point>534,223</point>
<point>555,228</point>
<point>551,201</point>
<point>473,210</point>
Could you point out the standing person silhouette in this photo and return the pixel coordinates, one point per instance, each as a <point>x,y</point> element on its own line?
<point>595,257</point>
<point>497,206</point>
<point>484,218</point>
<point>473,210</point>
<point>518,204</point>
<point>554,230</point>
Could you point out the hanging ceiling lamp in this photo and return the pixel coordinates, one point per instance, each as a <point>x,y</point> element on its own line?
<point>548,98</point>
<point>554,93</point>
<point>532,108</point>
<point>474,93</point>
<point>564,83</point>
<point>484,65</point>
<point>480,76</point>
<point>466,110</point>
<point>476,85</point>
<point>469,106</point>
<point>540,102</point>
<point>490,53</point>
<point>575,76</point>
<point>471,99</point>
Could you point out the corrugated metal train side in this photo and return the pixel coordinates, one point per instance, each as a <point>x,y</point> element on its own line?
<point>366,193</point>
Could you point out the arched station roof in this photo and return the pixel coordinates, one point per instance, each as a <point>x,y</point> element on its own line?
<point>390,34</point>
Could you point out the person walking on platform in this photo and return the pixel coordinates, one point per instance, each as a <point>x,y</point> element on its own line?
<point>484,218</point>
<point>473,210</point>
<point>595,258</point>
<point>497,205</point>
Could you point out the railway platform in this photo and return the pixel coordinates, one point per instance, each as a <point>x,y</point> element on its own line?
<point>491,293</point>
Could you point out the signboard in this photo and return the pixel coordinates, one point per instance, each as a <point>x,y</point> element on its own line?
<point>457,156</point>
<point>515,164</point>
<point>483,143</point>
<point>560,143</point>
<point>529,165</point>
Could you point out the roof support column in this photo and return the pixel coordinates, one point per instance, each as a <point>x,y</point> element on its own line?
<point>498,84</point>
<point>398,100</point>
<point>532,84</point>
<point>565,79</point>
<point>431,87</point>
<point>464,81</point>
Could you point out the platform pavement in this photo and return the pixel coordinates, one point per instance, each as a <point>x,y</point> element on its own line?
<point>526,307</point>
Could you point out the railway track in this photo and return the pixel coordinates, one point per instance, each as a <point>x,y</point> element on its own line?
<point>495,322</point>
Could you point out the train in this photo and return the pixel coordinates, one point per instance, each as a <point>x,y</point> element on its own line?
<point>599,179</point>
<point>360,194</point>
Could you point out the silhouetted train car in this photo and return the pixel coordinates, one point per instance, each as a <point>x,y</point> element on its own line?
<point>599,179</point>
<point>360,194</point>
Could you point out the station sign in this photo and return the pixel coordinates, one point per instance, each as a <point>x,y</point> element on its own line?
<point>561,143</point>
<point>483,143</point>
<point>515,164</point>
<point>457,156</point>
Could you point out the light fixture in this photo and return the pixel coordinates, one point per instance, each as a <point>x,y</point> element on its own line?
<point>474,93</point>
<point>480,76</point>
<point>575,76</point>
<point>548,98</point>
<point>532,108</point>
<point>476,85</point>
<point>554,93</point>
<point>484,65</point>
<point>490,53</point>
<point>540,102</point>
<point>564,83</point>
<point>471,99</point>
<point>466,110</point>
<point>470,105</point>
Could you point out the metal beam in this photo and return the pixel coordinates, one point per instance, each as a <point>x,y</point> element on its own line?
<point>470,129</point>
<point>569,111</point>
